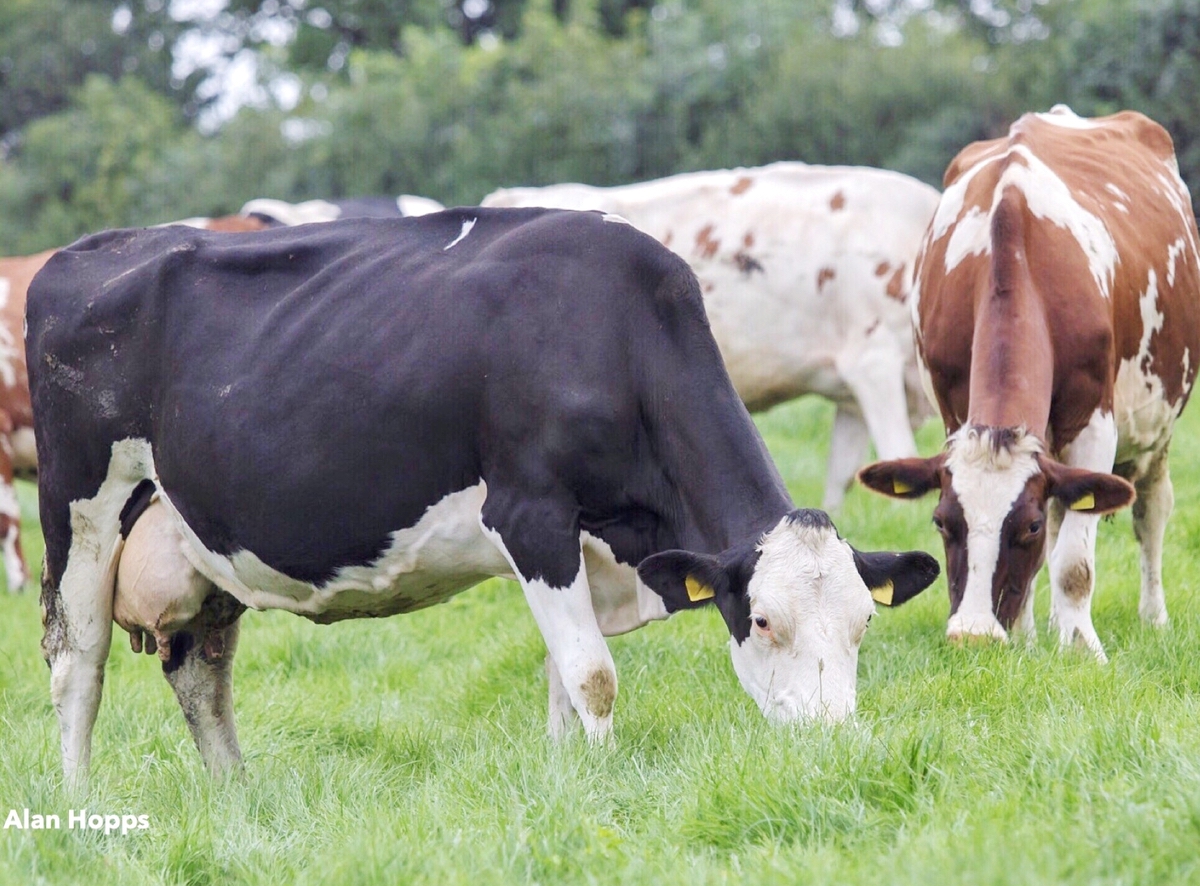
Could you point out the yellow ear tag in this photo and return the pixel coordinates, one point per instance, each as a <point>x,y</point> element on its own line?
<point>900,487</point>
<point>1086,503</point>
<point>698,591</point>
<point>884,593</point>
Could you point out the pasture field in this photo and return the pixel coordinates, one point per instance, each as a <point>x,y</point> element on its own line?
<point>413,749</point>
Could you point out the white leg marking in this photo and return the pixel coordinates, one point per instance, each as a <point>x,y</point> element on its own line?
<point>1073,558</point>
<point>573,638</point>
<point>562,714</point>
<point>848,448</point>
<point>14,565</point>
<point>83,622</point>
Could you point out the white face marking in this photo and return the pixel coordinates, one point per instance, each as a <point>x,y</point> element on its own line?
<point>466,229</point>
<point>805,665</point>
<point>987,485</point>
<point>443,554</point>
<point>1047,197</point>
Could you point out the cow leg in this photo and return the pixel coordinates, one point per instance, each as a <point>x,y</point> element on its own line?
<point>539,539</point>
<point>200,671</point>
<point>75,643</point>
<point>849,446</point>
<point>875,377</point>
<point>1073,558</point>
<point>1151,510</point>
<point>562,713</point>
<point>15,570</point>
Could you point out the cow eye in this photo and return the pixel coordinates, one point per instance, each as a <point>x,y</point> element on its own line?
<point>1035,527</point>
<point>939,525</point>
<point>761,623</point>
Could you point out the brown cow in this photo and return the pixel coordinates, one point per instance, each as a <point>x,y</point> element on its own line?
<point>1058,323</point>
<point>17,451</point>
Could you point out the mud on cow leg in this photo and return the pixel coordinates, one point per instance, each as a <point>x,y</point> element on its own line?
<point>200,671</point>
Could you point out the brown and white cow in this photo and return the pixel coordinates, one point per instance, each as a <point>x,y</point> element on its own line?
<point>806,272</point>
<point>17,451</point>
<point>18,455</point>
<point>1058,319</point>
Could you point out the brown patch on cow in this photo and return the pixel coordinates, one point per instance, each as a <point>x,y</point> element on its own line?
<point>599,692</point>
<point>882,268</point>
<point>709,286</point>
<point>824,276</point>
<point>742,185</point>
<point>706,244</point>
<point>838,202</point>
<point>895,286</point>
<point>748,239</point>
<point>232,224</point>
<point>1077,580</point>
<point>747,263</point>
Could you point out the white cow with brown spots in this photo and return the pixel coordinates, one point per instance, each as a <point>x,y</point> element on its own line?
<point>1058,315</point>
<point>806,273</point>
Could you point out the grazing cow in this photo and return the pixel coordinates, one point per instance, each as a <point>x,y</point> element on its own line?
<point>366,417</point>
<point>1058,316</point>
<point>805,272</point>
<point>280,212</point>
<point>18,456</point>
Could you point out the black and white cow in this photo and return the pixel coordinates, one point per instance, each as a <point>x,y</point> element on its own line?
<point>367,417</point>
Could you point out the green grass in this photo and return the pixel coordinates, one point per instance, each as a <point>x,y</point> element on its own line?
<point>413,749</point>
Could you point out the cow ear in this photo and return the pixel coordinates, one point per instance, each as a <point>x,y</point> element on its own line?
<point>904,477</point>
<point>893,579</point>
<point>684,580</point>
<point>1090,492</point>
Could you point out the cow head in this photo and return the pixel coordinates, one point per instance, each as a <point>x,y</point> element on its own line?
<point>797,603</point>
<point>995,486</point>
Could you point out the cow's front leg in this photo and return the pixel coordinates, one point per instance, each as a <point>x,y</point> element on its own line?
<point>562,713</point>
<point>875,375</point>
<point>15,570</point>
<point>1073,558</point>
<point>540,539</point>
<point>849,446</point>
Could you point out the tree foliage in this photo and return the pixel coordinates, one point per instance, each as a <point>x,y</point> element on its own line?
<point>452,98</point>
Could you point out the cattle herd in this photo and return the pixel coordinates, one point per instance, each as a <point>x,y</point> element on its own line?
<point>361,409</point>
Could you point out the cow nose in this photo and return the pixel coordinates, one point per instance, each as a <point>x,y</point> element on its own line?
<point>963,629</point>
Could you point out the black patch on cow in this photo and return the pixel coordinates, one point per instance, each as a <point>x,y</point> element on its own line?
<point>811,518</point>
<point>728,575</point>
<point>747,263</point>
<point>308,391</point>
<point>136,505</point>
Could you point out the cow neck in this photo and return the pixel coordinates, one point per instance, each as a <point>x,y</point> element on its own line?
<point>1012,354</point>
<point>722,486</point>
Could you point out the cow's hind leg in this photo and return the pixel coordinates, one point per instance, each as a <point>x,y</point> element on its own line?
<point>1151,510</point>
<point>75,643</point>
<point>562,714</point>
<point>15,570</point>
<point>200,670</point>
